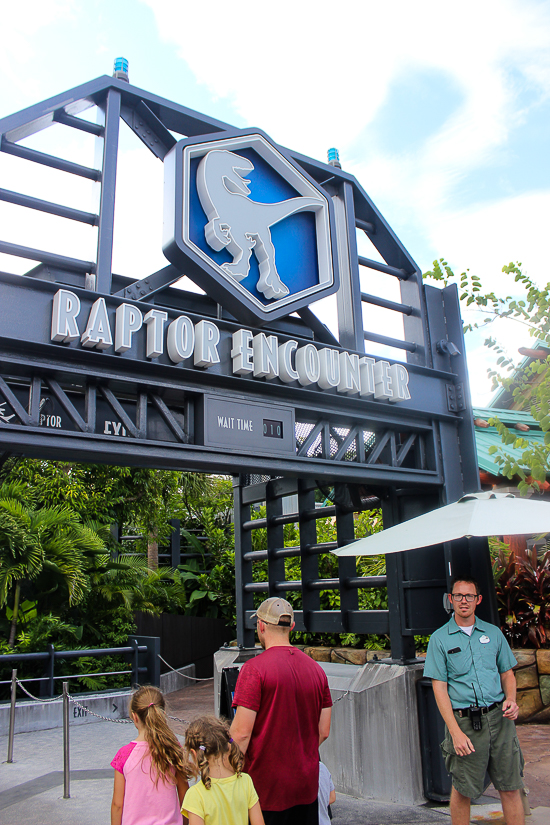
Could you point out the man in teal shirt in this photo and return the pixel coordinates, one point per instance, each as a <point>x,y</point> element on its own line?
<point>470,664</point>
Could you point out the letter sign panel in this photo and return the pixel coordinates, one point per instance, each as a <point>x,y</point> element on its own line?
<point>241,425</point>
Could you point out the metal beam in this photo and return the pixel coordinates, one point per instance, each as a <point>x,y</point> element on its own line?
<point>67,404</point>
<point>367,227</point>
<point>18,199</point>
<point>61,116</point>
<point>119,410</point>
<point>406,309</point>
<point>18,409</point>
<point>111,110</point>
<point>347,565</point>
<point>169,418</point>
<point>156,282</point>
<point>402,274</point>
<point>243,567</point>
<point>149,129</point>
<point>409,346</point>
<point>60,261</point>
<point>175,117</point>
<point>38,442</point>
<point>348,297</point>
<point>321,332</point>
<point>51,161</point>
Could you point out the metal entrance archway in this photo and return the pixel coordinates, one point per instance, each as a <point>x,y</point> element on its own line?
<point>90,371</point>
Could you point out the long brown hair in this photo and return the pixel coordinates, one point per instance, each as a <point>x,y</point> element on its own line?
<point>166,752</point>
<point>209,737</point>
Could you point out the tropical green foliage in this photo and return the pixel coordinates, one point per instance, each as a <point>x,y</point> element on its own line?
<point>530,386</point>
<point>140,499</point>
<point>209,578</point>
<point>523,588</point>
<point>209,575</point>
<point>42,550</point>
<point>63,579</point>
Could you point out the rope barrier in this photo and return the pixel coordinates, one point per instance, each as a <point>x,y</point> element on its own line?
<point>37,698</point>
<point>98,715</point>
<point>193,678</point>
<point>182,721</point>
<point>340,697</point>
<point>123,721</point>
<point>87,710</point>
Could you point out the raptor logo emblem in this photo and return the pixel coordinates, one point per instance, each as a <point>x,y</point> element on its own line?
<point>240,224</point>
<point>248,225</point>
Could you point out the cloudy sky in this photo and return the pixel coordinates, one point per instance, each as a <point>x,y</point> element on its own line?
<point>441,110</point>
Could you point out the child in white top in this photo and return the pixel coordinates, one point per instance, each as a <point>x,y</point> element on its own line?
<point>223,795</point>
<point>327,794</point>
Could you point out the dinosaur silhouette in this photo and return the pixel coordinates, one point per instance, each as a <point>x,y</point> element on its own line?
<point>239,224</point>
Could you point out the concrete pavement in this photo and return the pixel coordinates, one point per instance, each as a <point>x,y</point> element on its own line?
<point>31,789</point>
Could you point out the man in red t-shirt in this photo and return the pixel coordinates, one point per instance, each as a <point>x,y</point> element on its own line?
<point>283,709</point>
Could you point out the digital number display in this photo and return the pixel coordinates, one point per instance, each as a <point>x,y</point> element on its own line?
<point>273,429</point>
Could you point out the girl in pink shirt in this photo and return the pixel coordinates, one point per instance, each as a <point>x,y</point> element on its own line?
<point>151,772</point>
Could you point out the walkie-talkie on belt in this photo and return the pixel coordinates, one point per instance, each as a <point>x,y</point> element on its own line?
<point>474,712</point>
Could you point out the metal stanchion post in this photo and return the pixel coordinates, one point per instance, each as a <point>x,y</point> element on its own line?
<point>12,715</point>
<point>135,663</point>
<point>66,766</point>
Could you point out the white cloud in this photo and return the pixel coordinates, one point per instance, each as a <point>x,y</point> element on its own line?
<point>479,361</point>
<point>21,28</point>
<point>487,237</point>
<point>314,75</point>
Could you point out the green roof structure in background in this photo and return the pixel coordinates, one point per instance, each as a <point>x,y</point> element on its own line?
<point>488,436</point>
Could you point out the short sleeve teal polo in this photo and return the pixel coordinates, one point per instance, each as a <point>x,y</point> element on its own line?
<point>471,665</point>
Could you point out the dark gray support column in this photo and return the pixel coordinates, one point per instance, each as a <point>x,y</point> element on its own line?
<point>111,109</point>
<point>480,559</point>
<point>148,658</point>
<point>465,429</point>
<point>243,569</point>
<point>275,540</point>
<point>347,566</point>
<point>90,407</point>
<point>402,646</point>
<point>175,542</point>
<point>47,685</point>
<point>348,298</point>
<point>116,536</point>
<point>457,445</point>
<point>309,562</point>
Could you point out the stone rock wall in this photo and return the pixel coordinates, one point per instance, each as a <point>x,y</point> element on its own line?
<point>346,655</point>
<point>533,680</point>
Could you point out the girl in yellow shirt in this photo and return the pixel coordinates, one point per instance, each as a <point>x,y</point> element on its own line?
<point>224,795</point>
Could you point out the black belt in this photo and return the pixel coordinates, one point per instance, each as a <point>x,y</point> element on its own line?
<point>462,712</point>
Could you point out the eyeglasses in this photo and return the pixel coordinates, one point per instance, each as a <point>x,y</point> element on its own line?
<point>461,597</point>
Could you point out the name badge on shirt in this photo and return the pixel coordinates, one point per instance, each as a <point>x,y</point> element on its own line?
<point>484,640</point>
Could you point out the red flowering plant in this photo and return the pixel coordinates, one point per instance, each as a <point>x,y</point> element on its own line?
<point>523,596</point>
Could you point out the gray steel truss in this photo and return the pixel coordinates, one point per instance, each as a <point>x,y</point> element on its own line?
<point>66,402</point>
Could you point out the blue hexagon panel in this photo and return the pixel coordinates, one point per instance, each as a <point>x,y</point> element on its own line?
<point>248,225</point>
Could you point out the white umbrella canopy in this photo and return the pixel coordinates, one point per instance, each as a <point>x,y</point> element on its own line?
<point>475,514</point>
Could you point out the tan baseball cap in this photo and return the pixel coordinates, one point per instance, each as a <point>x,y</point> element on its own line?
<point>275,611</point>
